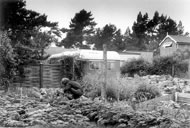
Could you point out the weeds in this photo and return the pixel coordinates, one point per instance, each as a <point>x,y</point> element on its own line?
<point>123,88</point>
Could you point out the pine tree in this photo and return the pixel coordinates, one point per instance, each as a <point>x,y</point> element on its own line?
<point>81,26</point>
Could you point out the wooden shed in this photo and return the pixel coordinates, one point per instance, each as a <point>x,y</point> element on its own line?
<point>171,43</point>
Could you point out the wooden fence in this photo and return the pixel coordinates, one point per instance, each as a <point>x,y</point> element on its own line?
<point>183,98</point>
<point>43,76</point>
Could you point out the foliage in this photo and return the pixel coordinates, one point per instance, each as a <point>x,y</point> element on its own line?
<point>123,88</point>
<point>136,66</point>
<point>145,92</point>
<point>109,35</point>
<point>23,29</point>
<point>164,65</point>
<point>81,26</point>
<point>148,33</point>
<point>176,65</point>
<point>7,62</point>
<point>67,71</point>
<point>40,41</point>
<point>23,26</point>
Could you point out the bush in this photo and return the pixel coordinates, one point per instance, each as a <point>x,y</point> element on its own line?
<point>123,88</point>
<point>146,92</point>
<point>170,65</point>
<point>67,68</point>
<point>162,66</point>
<point>134,66</point>
<point>7,62</point>
<point>92,84</point>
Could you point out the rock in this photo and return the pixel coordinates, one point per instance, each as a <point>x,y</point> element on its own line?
<point>38,122</point>
<point>14,123</point>
<point>78,111</point>
<point>187,89</point>
<point>57,122</point>
<point>167,83</point>
<point>121,125</point>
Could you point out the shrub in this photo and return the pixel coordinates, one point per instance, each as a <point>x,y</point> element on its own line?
<point>92,84</point>
<point>164,65</point>
<point>68,63</point>
<point>123,88</point>
<point>134,66</point>
<point>170,65</point>
<point>7,62</point>
<point>146,91</point>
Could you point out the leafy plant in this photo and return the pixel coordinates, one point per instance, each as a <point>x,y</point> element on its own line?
<point>135,66</point>
<point>176,65</point>
<point>146,92</point>
<point>123,88</point>
<point>72,68</point>
<point>7,62</point>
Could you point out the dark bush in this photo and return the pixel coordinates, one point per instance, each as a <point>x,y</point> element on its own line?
<point>7,62</point>
<point>146,92</point>
<point>68,63</point>
<point>162,66</point>
<point>139,66</point>
<point>170,65</point>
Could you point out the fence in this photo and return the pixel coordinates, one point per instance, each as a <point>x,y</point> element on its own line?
<point>43,76</point>
<point>183,98</point>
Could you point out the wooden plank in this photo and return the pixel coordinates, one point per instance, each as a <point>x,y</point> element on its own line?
<point>183,98</point>
<point>151,103</point>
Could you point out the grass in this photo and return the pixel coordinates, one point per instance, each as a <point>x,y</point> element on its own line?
<point>123,88</point>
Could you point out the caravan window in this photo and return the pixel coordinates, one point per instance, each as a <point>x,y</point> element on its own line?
<point>94,65</point>
<point>110,65</point>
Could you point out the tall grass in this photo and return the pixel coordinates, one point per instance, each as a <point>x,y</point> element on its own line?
<point>123,88</point>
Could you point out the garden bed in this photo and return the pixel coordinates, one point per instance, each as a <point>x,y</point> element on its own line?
<point>57,111</point>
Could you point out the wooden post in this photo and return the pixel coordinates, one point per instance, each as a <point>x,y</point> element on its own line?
<point>73,75</point>
<point>173,70</point>
<point>103,92</point>
<point>188,69</point>
<point>41,75</point>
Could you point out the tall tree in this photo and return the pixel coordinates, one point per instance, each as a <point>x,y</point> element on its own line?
<point>118,42</point>
<point>40,41</point>
<point>109,35</point>
<point>81,26</point>
<point>149,32</point>
<point>21,24</point>
<point>139,29</point>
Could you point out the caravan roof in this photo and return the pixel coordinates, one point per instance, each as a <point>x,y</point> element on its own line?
<point>88,55</point>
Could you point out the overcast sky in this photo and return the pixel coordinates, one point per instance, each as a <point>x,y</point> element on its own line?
<point>122,13</point>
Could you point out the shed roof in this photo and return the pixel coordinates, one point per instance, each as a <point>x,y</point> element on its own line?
<point>88,55</point>
<point>177,39</point>
<point>181,39</point>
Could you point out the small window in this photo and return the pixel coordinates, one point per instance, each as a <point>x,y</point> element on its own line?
<point>110,65</point>
<point>167,44</point>
<point>94,65</point>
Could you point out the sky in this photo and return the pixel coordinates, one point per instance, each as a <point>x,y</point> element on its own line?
<point>121,13</point>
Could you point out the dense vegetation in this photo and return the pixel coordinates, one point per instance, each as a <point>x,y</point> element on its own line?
<point>22,42</point>
<point>175,65</point>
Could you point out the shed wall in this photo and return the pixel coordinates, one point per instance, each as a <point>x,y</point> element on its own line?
<point>168,51</point>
